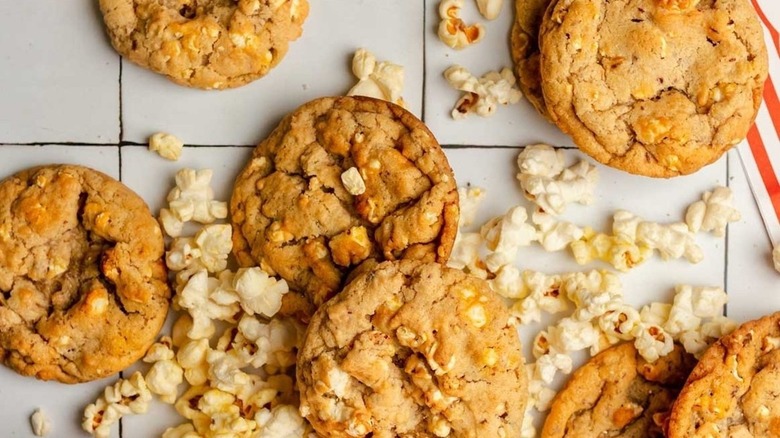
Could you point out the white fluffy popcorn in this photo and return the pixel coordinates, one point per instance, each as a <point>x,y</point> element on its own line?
<point>453,31</point>
<point>276,341</point>
<point>126,396</point>
<point>165,375</point>
<point>191,200</point>
<point>215,243</point>
<point>713,213</point>
<point>619,321</point>
<point>592,293</point>
<point>505,235</point>
<point>542,294</point>
<point>192,358</point>
<point>166,145</point>
<point>465,254</point>
<point>283,421</point>
<point>40,423</point>
<point>225,371</point>
<point>552,234</point>
<point>490,8</point>
<point>353,182</point>
<point>196,298</point>
<point>549,185</point>
<point>508,283</point>
<point>618,252</point>
<point>470,199</point>
<point>570,335</point>
<point>652,342</point>
<point>655,313</point>
<point>186,430</point>
<point>381,80</point>
<point>483,95</point>
<point>539,395</point>
<point>258,292</point>
<point>672,241</point>
<point>548,365</point>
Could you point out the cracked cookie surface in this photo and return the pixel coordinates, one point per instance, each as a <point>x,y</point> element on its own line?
<point>83,288</point>
<point>210,44</point>
<point>654,87</point>
<point>413,349</point>
<point>524,48</point>
<point>733,391</point>
<point>293,215</point>
<point>618,394</point>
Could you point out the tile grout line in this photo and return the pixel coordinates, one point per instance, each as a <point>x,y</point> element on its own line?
<point>119,153</point>
<point>424,60</point>
<point>726,241</point>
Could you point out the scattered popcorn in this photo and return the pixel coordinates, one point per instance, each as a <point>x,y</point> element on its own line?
<point>127,396</point>
<point>283,421</point>
<point>186,430</point>
<point>482,95</point>
<point>453,31</point>
<point>542,294</point>
<point>166,145</point>
<point>713,212</point>
<point>718,327</point>
<point>165,375</point>
<point>465,254</point>
<point>353,182</point>
<point>470,199</point>
<point>548,365</point>
<point>592,293</point>
<point>539,396</point>
<point>490,8</point>
<point>191,200</point>
<point>655,313</point>
<point>671,241</point>
<point>381,80</point>
<point>225,371</point>
<point>528,430</point>
<point>694,342</point>
<point>259,293</point>
<point>570,335</point>
<point>552,234</point>
<point>215,243</point>
<point>621,254</point>
<point>276,341</point>
<point>547,183</point>
<point>619,321</point>
<point>505,235</point>
<point>196,298</point>
<point>192,358</point>
<point>652,341</point>
<point>41,425</point>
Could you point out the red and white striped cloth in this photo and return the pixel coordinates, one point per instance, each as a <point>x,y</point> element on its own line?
<point>760,153</point>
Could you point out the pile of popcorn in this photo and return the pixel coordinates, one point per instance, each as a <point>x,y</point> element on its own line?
<point>226,367</point>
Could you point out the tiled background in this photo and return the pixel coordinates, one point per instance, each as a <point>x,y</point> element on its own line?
<point>65,96</point>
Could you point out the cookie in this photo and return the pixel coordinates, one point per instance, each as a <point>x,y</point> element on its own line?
<point>618,394</point>
<point>210,44</point>
<point>524,48</point>
<point>413,349</point>
<point>339,182</point>
<point>653,87</point>
<point>735,388</point>
<point>83,288</point>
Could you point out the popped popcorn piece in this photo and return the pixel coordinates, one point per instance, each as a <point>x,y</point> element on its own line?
<point>192,358</point>
<point>469,199</point>
<point>592,293</point>
<point>381,80</point>
<point>165,375</point>
<point>353,182</point>
<point>505,235</point>
<point>554,235</point>
<point>482,95</point>
<point>490,8</point>
<point>258,292</point>
<point>465,254</point>
<point>541,344</point>
<point>776,257</point>
<point>166,145</point>
<point>540,396</point>
<point>283,421</point>
<point>707,302</point>
<point>41,425</point>
<point>718,327</point>
<point>543,294</point>
<point>99,417</point>
<point>180,328</point>
<point>528,430</point>
<point>655,313</point>
<point>547,183</point>
<point>621,254</point>
<point>196,298</point>
<point>694,342</point>
<point>224,414</point>
<point>508,283</point>
<point>191,200</point>
<point>453,31</point>
<point>276,341</point>
<point>186,430</point>
<point>225,371</point>
<point>681,317</point>
<point>652,341</point>
<point>619,321</point>
<point>713,212</point>
<point>126,396</point>
<point>215,243</point>
<point>570,335</point>
<point>671,241</point>
<point>546,366</point>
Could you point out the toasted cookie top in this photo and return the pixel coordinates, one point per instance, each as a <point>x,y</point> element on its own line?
<point>413,349</point>
<point>83,288</point>
<point>735,389</point>
<point>208,44</point>
<point>653,87</point>
<point>339,182</point>
<point>618,394</point>
<point>524,48</point>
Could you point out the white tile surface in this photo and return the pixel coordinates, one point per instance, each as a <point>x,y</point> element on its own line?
<point>331,35</point>
<point>66,87</point>
<point>20,396</point>
<point>58,72</point>
<point>509,125</point>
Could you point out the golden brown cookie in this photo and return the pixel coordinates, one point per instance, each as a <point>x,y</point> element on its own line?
<point>411,349</point>
<point>618,394</point>
<point>83,289</point>
<point>211,44</point>
<point>294,215</point>
<point>524,48</point>
<point>654,87</point>
<point>734,391</point>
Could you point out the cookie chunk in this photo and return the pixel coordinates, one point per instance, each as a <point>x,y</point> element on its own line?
<point>341,181</point>
<point>83,289</point>
<point>654,87</point>
<point>209,44</point>
<point>735,389</point>
<point>618,394</point>
<point>524,48</point>
<point>411,349</point>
